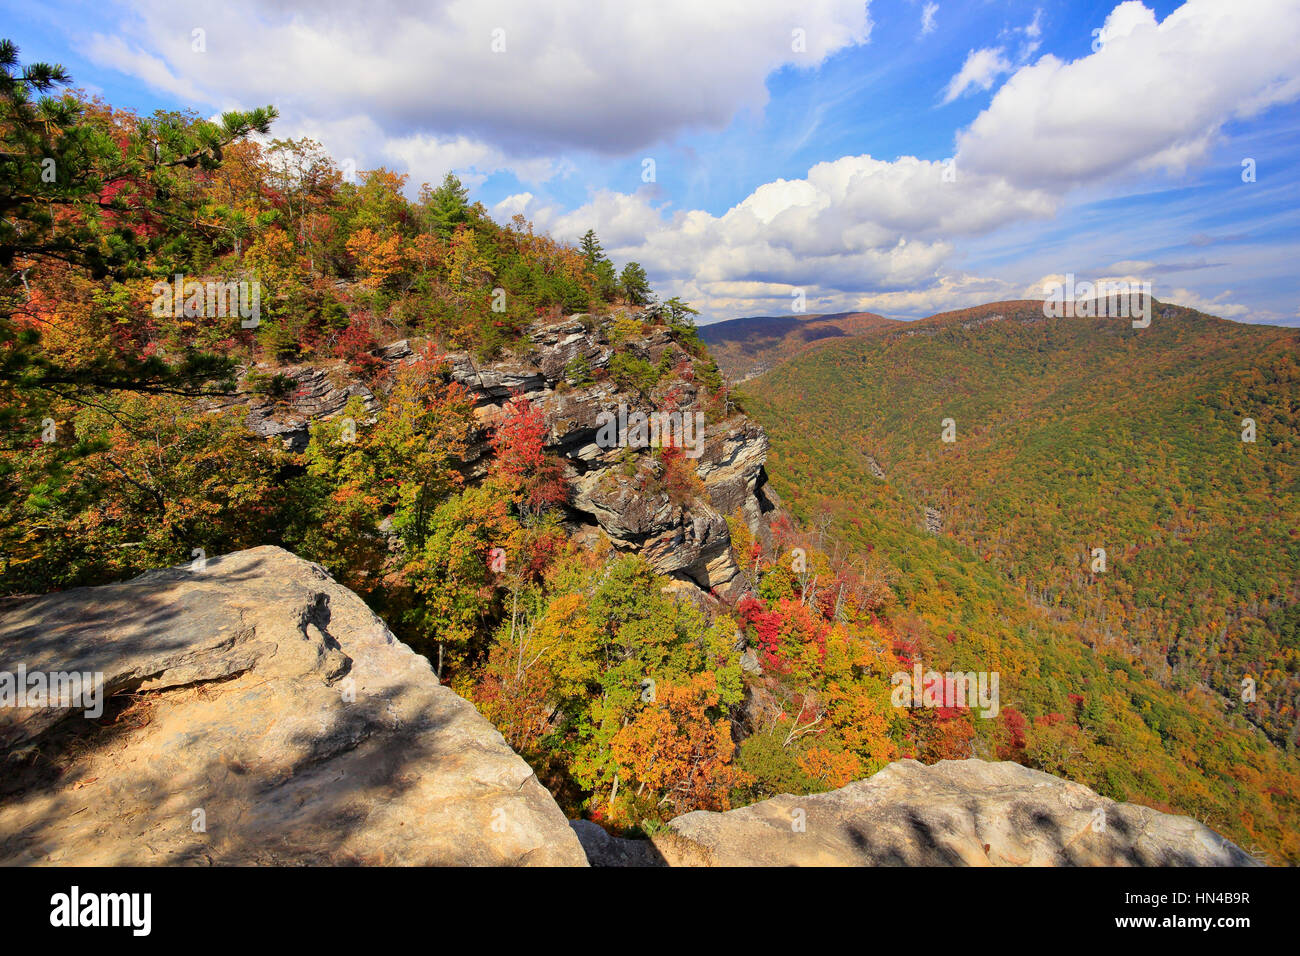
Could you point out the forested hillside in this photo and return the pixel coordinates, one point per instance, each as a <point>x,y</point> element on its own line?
<point>1073,436</point>
<point>118,231</point>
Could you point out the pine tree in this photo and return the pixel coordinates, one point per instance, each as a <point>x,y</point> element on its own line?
<point>679,313</point>
<point>606,279</point>
<point>77,193</point>
<point>447,206</point>
<point>592,250</point>
<point>634,284</point>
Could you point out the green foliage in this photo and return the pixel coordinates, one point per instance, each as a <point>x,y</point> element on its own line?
<point>446,207</point>
<point>578,372</point>
<point>630,372</point>
<point>679,317</point>
<point>275,385</point>
<point>774,767</point>
<point>74,193</point>
<point>139,482</point>
<point>634,284</point>
<point>450,571</point>
<point>591,248</point>
<point>1076,434</point>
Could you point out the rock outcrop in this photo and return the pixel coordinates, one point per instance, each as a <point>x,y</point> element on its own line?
<point>604,849</point>
<point>953,813</point>
<point>313,393</point>
<point>564,368</point>
<point>689,539</point>
<point>934,521</point>
<point>260,714</point>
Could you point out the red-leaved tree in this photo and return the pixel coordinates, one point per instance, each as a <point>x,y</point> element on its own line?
<point>534,479</point>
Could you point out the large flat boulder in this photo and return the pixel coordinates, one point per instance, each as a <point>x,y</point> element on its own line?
<point>953,813</point>
<point>261,714</point>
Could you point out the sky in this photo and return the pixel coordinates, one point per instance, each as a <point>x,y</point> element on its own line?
<point>904,157</point>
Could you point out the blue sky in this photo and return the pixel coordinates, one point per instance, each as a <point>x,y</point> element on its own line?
<point>797,146</point>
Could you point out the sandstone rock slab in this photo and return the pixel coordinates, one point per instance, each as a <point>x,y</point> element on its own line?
<point>953,813</point>
<point>272,718</point>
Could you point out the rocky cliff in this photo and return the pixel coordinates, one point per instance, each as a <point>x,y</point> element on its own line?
<point>564,367</point>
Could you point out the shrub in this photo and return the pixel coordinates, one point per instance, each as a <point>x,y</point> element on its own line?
<point>275,385</point>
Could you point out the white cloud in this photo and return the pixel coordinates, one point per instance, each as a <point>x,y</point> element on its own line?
<point>1218,305</point>
<point>981,69</point>
<point>1034,28</point>
<point>1033,33</point>
<point>113,52</point>
<point>572,75</point>
<point>423,152</point>
<point>855,226</point>
<point>416,85</point>
<point>1051,285</point>
<point>1133,266</point>
<point>1123,20</point>
<point>946,293</point>
<point>1153,96</point>
<point>927,18</point>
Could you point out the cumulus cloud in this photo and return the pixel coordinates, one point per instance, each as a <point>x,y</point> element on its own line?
<point>417,85</point>
<point>944,294</point>
<point>1218,305</point>
<point>855,226</point>
<point>1153,96</point>
<point>940,293</point>
<point>1123,20</point>
<point>516,80</point>
<point>1051,286</point>
<point>420,151</point>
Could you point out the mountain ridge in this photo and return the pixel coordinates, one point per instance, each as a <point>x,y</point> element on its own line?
<point>732,342</point>
<point>749,346</point>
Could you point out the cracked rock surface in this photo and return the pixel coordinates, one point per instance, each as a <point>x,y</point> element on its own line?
<point>263,715</point>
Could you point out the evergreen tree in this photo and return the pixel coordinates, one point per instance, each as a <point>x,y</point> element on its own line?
<point>606,279</point>
<point>679,313</point>
<point>74,191</point>
<point>447,206</point>
<point>634,284</point>
<point>592,250</point>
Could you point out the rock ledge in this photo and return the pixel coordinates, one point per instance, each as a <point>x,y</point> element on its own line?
<point>273,719</point>
<point>953,813</point>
